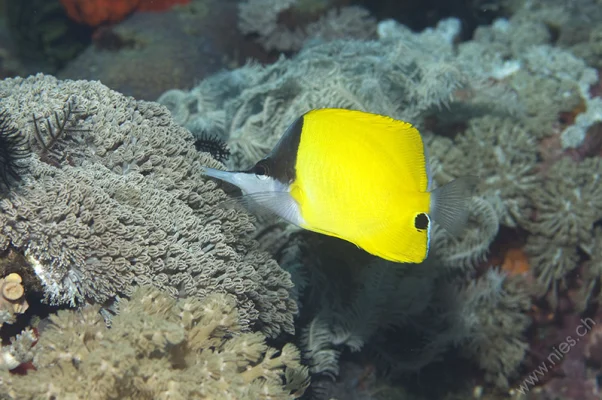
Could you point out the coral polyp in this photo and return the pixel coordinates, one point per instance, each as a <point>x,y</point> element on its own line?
<point>13,148</point>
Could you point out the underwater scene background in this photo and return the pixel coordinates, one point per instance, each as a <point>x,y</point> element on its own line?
<point>122,276</point>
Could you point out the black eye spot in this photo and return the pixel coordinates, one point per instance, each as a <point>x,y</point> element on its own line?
<point>421,222</point>
<point>261,169</point>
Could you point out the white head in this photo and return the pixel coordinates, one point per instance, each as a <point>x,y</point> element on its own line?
<point>261,193</point>
<point>248,182</point>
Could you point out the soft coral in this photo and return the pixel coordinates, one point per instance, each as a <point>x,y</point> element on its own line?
<point>98,12</point>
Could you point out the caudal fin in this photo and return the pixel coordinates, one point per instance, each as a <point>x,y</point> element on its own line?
<point>449,203</point>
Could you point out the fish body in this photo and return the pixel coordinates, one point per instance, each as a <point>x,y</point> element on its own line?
<point>357,176</point>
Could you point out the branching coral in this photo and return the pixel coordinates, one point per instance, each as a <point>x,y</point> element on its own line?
<point>52,132</point>
<point>126,205</point>
<point>158,348</point>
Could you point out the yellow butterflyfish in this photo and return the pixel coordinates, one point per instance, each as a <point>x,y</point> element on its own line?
<point>357,176</point>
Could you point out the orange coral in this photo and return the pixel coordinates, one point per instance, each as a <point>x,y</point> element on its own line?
<point>98,12</point>
<point>515,262</point>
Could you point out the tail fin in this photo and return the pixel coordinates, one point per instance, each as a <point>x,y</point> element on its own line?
<point>449,203</point>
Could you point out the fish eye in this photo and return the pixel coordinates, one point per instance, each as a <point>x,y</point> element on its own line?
<point>422,221</point>
<point>261,170</point>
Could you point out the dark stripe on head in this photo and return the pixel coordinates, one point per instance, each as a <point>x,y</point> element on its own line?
<point>280,163</point>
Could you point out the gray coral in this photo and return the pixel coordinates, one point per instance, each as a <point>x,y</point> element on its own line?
<point>471,248</point>
<point>503,154</point>
<point>261,17</point>
<point>592,273</point>
<point>495,318</point>
<point>547,79</point>
<point>404,75</point>
<point>158,348</point>
<point>568,204</point>
<point>126,205</point>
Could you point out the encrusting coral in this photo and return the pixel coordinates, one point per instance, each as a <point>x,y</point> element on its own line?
<point>125,204</point>
<point>158,348</point>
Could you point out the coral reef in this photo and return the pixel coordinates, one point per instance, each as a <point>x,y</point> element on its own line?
<point>491,144</point>
<point>286,25</point>
<point>516,105</point>
<point>418,16</point>
<point>122,202</point>
<point>13,148</point>
<point>18,353</point>
<point>102,194</point>
<point>349,302</point>
<point>12,299</point>
<point>540,162</point>
<point>98,12</point>
<point>378,300</point>
<point>158,348</point>
<point>548,80</point>
<point>496,325</point>
<point>403,75</point>
<point>568,204</point>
